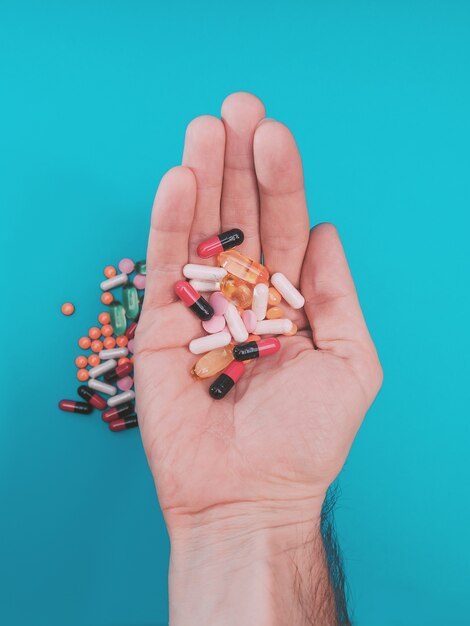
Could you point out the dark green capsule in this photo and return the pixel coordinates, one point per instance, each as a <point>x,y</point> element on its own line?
<point>117,316</point>
<point>141,267</point>
<point>130,300</point>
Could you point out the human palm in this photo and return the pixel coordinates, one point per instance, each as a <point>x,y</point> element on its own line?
<point>283,433</point>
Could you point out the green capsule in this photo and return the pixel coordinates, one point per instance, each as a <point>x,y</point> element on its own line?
<point>130,299</point>
<point>141,267</point>
<point>117,316</point>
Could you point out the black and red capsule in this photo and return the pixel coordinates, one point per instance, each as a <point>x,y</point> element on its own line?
<point>118,411</point>
<point>256,349</point>
<point>223,383</point>
<point>194,300</point>
<point>72,406</point>
<point>217,244</point>
<point>124,423</point>
<point>119,372</point>
<point>92,397</point>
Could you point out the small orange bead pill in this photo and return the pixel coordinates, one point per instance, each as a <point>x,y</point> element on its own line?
<point>96,345</point>
<point>94,332</point>
<point>81,361</point>
<point>93,360</point>
<point>110,271</point>
<point>107,297</point>
<point>103,318</point>
<point>83,375</point>
<point>292,332</point>
<point>107,330</point>
<point>67,308</point>
<point>274,313</point>
<point>122,341</point>
<point>274,297</point>
<point>109,343</point>
<point>123,360</point>
<point>84,343</point>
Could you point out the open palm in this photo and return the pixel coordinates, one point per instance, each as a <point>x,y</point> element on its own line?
<point>283,433</point>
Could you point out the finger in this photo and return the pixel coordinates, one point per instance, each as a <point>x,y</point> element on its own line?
<point>167,251</point>
<point>204,149</point>
<point>241,113</point>
<point>284,217</point>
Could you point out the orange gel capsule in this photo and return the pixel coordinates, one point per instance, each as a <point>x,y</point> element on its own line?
<point>243,267</point>
<point>109,271</point>
<point>122,341</point>
<point>94,332</point>
<point>109,343</point>
<point>84,343</point>
<point>83,375</point>
<point>106,330</point>
<point>292,332</point>
<point>274,297</point>
<point>67,308</point>
<point>213,362</point>
<point>237,291</point>
<point>94,360</point>
<point>274,313</point>
<point>103,318</point>
<point>96,345</point>
<point>81,361</point>
<point>107,297</point>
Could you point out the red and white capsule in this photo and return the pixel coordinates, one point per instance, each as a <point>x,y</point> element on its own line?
<point>217,244</point>
<point>194,300</point>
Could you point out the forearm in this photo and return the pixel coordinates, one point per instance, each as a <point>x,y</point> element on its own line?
<point>252,565</point>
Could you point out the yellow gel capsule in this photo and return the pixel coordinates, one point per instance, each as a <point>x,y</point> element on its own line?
<point>213,362</point>
<point>237,291</point>
<point>274,297</point>
<point>274,313</point>
<point>243,267</point>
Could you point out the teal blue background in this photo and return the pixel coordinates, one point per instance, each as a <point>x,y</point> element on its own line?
<point>95,100</point>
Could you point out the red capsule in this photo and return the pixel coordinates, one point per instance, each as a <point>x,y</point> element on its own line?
<point>118,411</point>
<point>130,332</point>
<point>219,243</point>
<point>225,381</point>
<point>119,372</point>
<point>75,407</point>
<point>124,423</point>
<point>92,397</point>
<point>194,300</point>
<point>256,349</point>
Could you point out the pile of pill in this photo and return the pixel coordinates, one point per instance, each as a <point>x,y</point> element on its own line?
<point>242,313</point>
<point>106,363</point>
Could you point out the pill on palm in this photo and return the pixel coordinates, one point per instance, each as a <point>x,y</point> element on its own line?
<point>260,301</point>
<point>250,321</point>
<point>287,290</point>
<point>205,285</point>
<point>210,342</point>
<point>203,272</point>
<point>126,266</point>
<point>274,297</point>
<point>235,323</point>
<point>215,325</point>
<point>274,313</point>
<point>273,327</point>
<point>219,303</point>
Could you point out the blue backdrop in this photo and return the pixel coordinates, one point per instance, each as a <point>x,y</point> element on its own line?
<point>95,102</point>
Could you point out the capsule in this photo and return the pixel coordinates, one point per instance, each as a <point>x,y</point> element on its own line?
<point>210,342</point>
<point>235,323</point>
<point>205,286</point>
<point>243,267</point>
<point>118,411</point>
<point>222,385</point>
<point>114,281</point>
<point>217,244</point>
<point>130,332</point>
<point>121,398</point>
<point>117,317</point>
<point>194,300</point>
<point>113,353</point>
<point>213,362</point>
<point>260,301</point>
<point>203,272</point>
<point>73,406</point>
<point>92,398</point>
<point>102,368</point>
<point>256,349</point>
<point>237,291</point>
<point>250,321</point>
<point>287,290</point>
<point>98,385</point>
<point>130,300</point>
<point>124,423</point>
<point>273,327</point>
<point>141,267</point>
<point>118,372</point>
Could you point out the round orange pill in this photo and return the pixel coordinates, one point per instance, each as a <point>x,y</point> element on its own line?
<point>94,360</point>
<point>84,343</point>
<point>67,308</point>
<point>274,313</point>
<point>122,341</point>
<point>96,345</point>
<point>292,332</point>
<point>123,360</point>
<point>107,297</point>
<point>274,297</point>
<point>81,361</point>
<point>107,330</point>
<point>103,318</point>
<point>110,271</point>
<point>83,375</point>
<point>94,332</point>
<point>109,343</point>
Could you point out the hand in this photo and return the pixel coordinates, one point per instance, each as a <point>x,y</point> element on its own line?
<point>264,456</point>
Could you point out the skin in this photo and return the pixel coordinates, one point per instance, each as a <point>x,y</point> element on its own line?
<point>241,481</point>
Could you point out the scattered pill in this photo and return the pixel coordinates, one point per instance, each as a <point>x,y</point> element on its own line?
<point>215,325</point>
<point>256,349</point>
<point>113,282</point>
<point>81,361</point>
<point>210,342</point>
<point>273,327</point>
<point>115,353</point>
<point>83,375</point>
<point>103,318</point>
<point>235,323</point>
<point>107,297</point>
<point>118,372</point>
<point>94,332</point>
<point>130,301</point>
<point>130,345</point>
<point>119,411</point>
<point>126,266</point>
<point>250,321</point>
<point>123,360</point>
<point>107,330</point>
<point>287,290</point>
<point>260,301</point>
<point>125,383</point>
<point>124,423</point>
<point>274,313</point>
<point>122,341</point>
<point>243,267</point>
<point>274,297</point>
<point>99,385</point>
<point>219,243</point>
<point>84,343</point>
<point>139,281</point>
<point>126,396</point>
<point>203,272</point>
<point>237,291</point>
<point>67,308</point>
<point>102,368</point>
<point>97,345</point>
<point>229,377</point>
<point>92,398</point>
<point>130,332</point>
<point>94,360</point>
<point>117,316</point>
<point>219,303</point>
<point>109,343</point>
<point>72,406</point>
<point>194,300</point>
<point>109,271</point>
<point>213,362</point>
<point>205,286</point>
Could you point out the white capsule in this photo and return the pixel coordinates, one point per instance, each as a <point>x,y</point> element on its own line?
<point>203,272</point>
<point>287,290</point>
<point>127,396</point>
<point>235,323</point>
<point>114,281</point>
<point>273,327</point>
<point>210,342</point>
<point>260,301</point>
<point>99,385</point>
<point>102,368</point>
<point>205,285</point>
<point>115,353</point>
